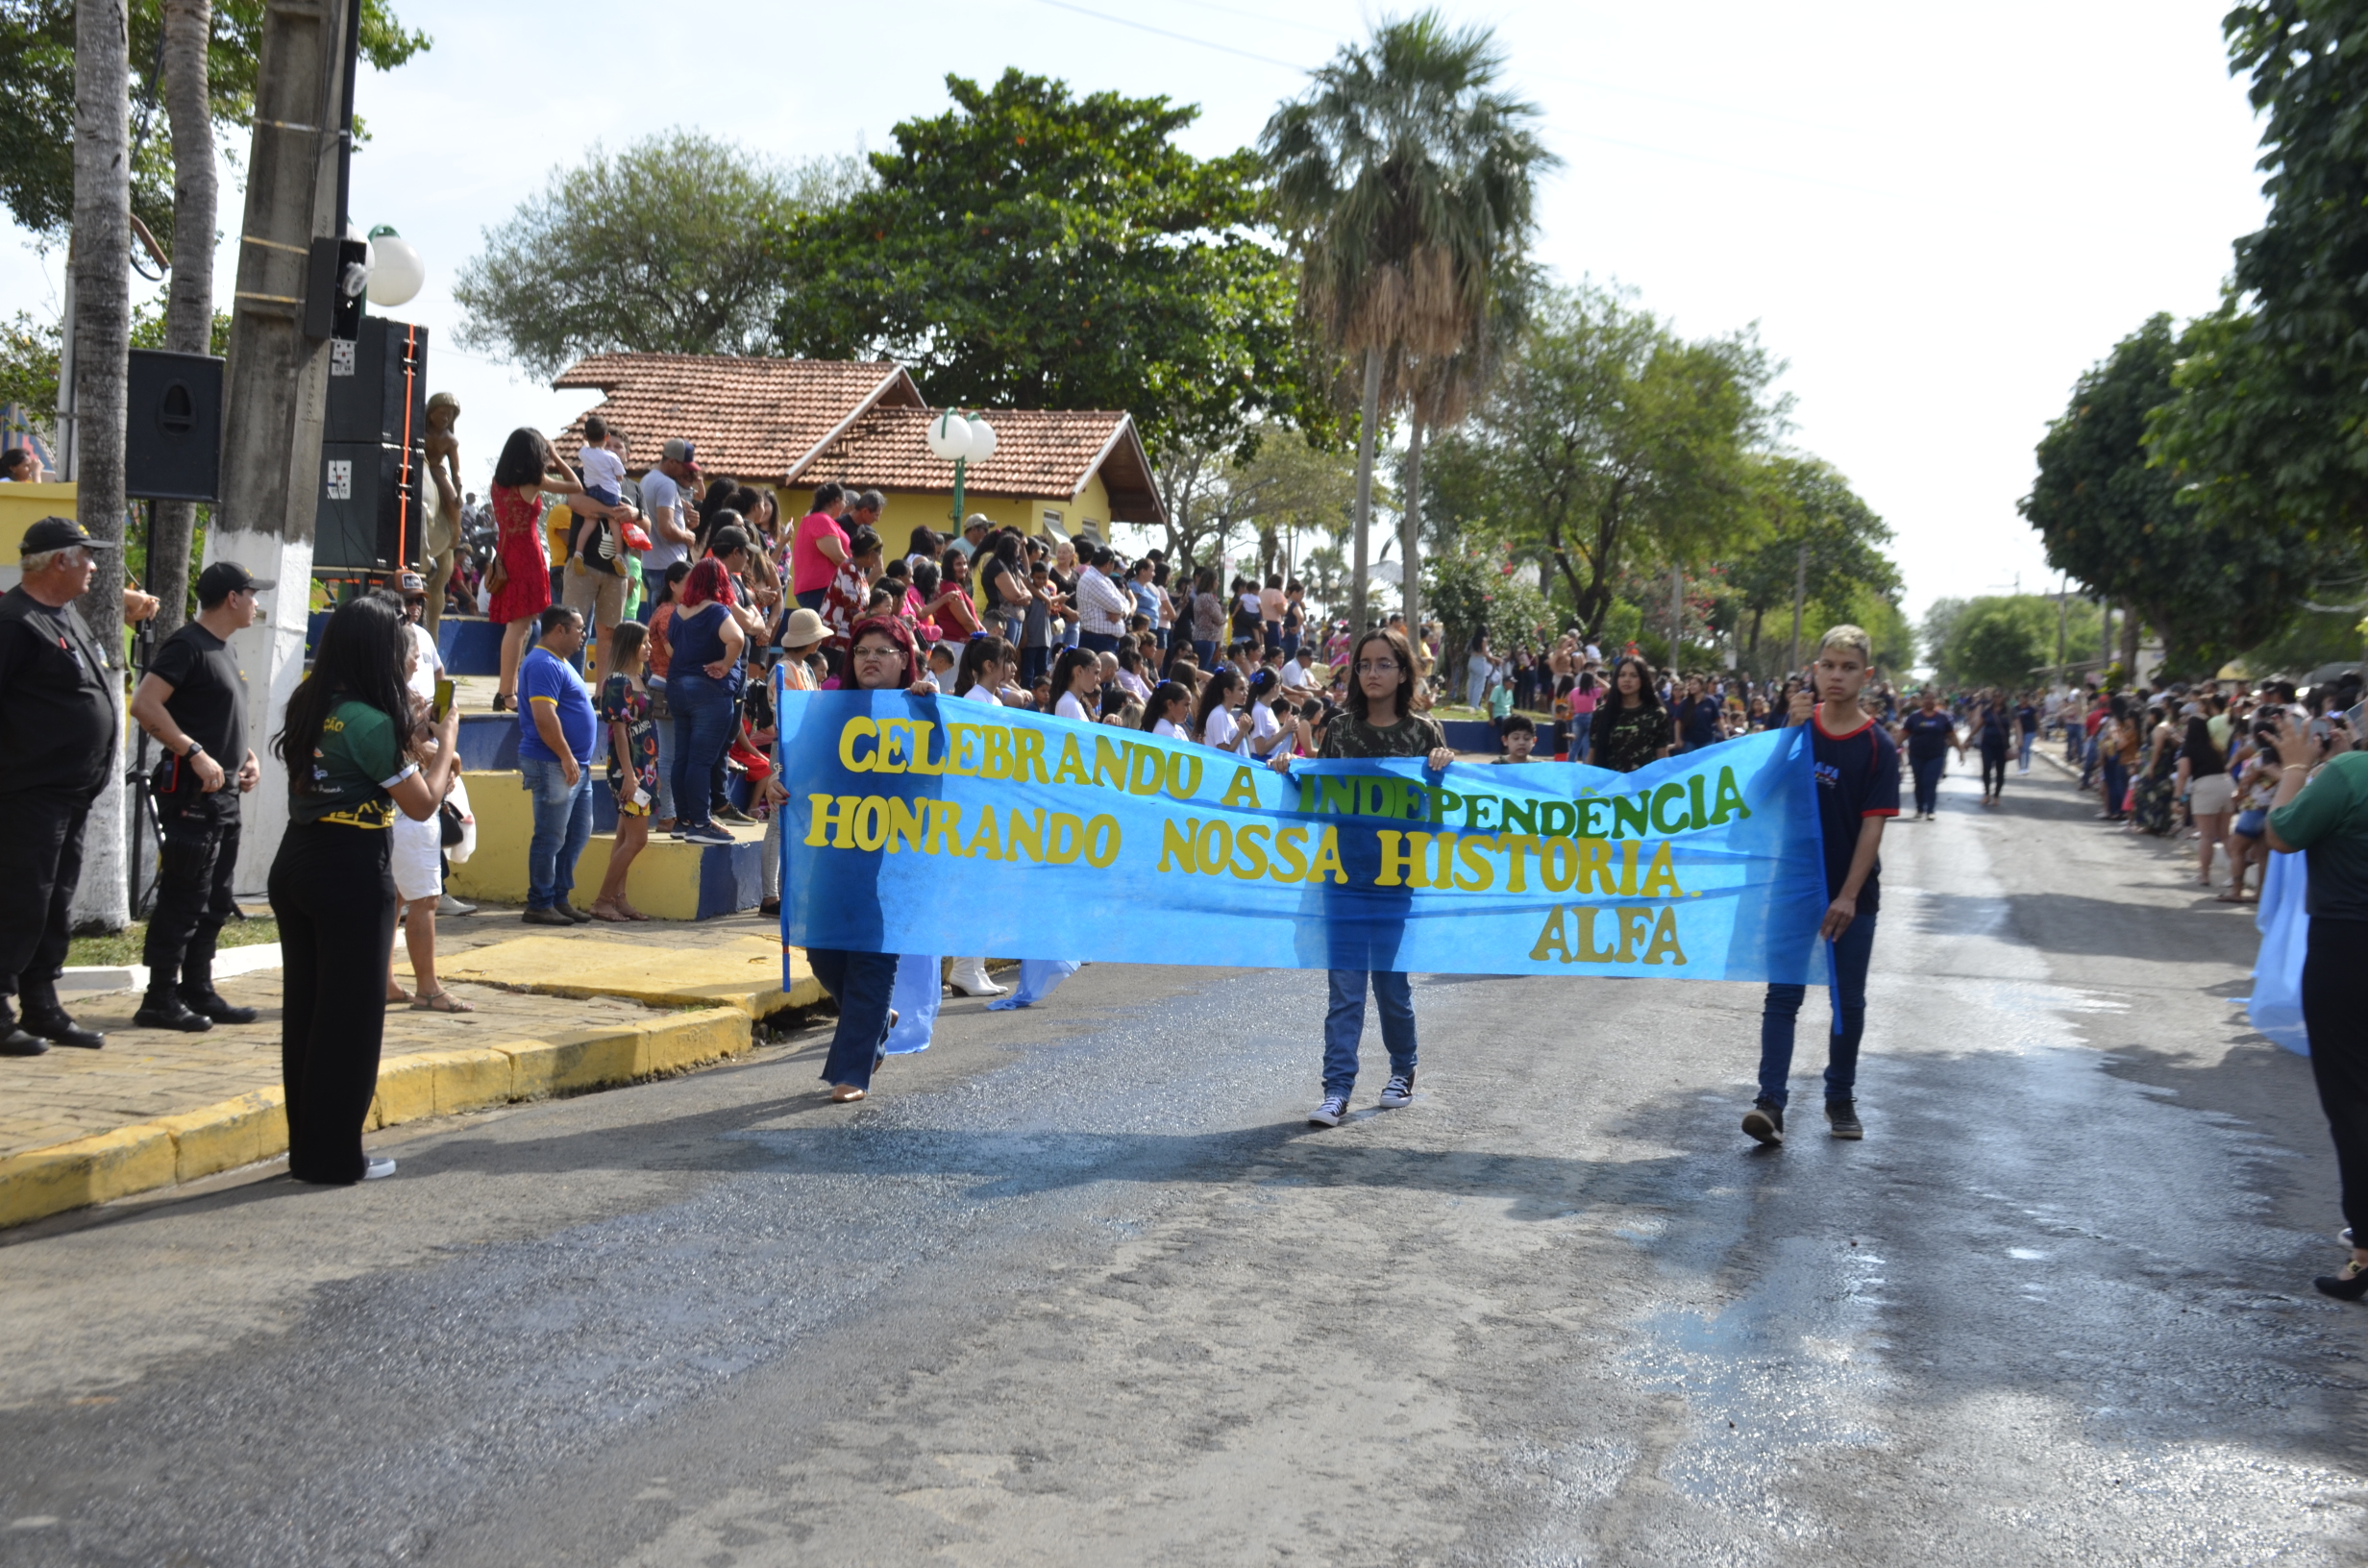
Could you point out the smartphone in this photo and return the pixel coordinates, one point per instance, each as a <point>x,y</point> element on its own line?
<point>443,700</point>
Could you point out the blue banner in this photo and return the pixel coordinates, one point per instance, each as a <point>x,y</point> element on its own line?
<point>939,825</point>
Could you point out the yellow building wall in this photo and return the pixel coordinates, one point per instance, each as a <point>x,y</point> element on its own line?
<point>910,509</point>
<point>22,506</point>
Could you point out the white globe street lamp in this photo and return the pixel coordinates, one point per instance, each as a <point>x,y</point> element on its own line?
<point>960,440</point>
<point>395,269</point>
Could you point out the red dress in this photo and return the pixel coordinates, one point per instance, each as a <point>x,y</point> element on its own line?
<point>518,530</point>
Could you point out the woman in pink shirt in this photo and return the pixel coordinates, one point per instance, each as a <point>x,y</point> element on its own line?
<point>818,549</point>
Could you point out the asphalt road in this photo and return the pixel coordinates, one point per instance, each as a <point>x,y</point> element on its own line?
<point>1081,1287</point>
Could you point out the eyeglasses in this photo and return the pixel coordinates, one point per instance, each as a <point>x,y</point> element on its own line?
<point>1378,667</point>
<point>880,654</point>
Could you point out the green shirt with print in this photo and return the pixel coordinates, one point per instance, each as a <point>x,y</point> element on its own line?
<point>358,759</point>
<point>2329,821</point>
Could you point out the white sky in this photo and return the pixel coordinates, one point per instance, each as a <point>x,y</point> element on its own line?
<point>1938,215</point>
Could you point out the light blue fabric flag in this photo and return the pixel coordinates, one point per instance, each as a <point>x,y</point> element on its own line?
<point>922,824</point>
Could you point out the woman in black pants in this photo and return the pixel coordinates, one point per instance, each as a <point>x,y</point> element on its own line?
<point>2329,821</point>
<point>352,752</point>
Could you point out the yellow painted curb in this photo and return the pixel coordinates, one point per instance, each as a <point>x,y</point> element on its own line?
<point>84,1171</point>
<point>253,1127</point>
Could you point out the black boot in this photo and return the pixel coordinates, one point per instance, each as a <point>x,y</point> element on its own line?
<point>163,1009</point>
<point>206,1002</point>
<point>14,1041</point>
<point>45,1017</point>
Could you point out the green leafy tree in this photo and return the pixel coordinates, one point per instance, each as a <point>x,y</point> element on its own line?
<point>2272,425</point>
<point>1475,587</point>
<point>36,112</point>
<point>1996,640</point>
<point>1032,249</point>
<point>1404,183</point>
<point>1818,534</point>
<point>2210,582</point>
<point>1609,442</point>
<point>668,247</point>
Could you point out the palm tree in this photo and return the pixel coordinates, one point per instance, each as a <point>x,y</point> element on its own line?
<point>99,257</point>
<point>1404,181</point>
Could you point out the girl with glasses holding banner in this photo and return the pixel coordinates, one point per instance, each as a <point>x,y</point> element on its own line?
<point>1379,724</point>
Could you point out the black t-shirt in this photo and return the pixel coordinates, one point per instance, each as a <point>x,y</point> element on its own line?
<point>1930,735</point>
<point>210,703</point>
<point>210,692</point>
<point>58,700</point>
<point>1858,777</point>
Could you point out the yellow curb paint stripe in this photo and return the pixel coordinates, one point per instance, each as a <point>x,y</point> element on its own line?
<point>252,1127</point>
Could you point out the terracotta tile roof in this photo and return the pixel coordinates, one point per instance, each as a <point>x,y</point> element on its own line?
<point>1038,454</point>
<point>754,418</point>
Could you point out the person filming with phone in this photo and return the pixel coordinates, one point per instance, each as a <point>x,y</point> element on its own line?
<point>194,701</point>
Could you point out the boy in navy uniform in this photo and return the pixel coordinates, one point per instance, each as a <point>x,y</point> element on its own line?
<point>1857,790</point>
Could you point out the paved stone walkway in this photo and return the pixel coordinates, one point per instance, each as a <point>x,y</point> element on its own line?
<point>146,1074</point>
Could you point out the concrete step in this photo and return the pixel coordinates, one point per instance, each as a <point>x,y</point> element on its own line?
<point>670,879</point>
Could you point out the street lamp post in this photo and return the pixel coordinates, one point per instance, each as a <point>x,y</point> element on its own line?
<point>958,439</point>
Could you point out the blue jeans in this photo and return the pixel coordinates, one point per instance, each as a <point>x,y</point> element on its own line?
<point>1853,949</point>
<point>2024,753</point>
<point>1344,1024</point>
<point>562,826</point>
<point>1099,642</point>
<point>704,713</point>
<point>862,983</point>
<point>2116,786</point>
<point>1927,772</point>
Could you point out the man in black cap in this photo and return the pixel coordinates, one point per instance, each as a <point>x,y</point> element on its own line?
<point>194,700</point>
<point>58,701</point>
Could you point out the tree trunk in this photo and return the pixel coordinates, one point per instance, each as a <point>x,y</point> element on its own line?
<point>1370,416</point>
<point>102,284</point>
<point>188,310</point>
<point>1410,532</point>
<point>2128,647</point>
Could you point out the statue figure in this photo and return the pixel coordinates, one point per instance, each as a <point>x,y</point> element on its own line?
<point>441,535</point>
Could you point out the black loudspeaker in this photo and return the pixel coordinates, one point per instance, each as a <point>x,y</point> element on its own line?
<point>172,434</point>
<point>369,516</point>
<point>378,385</point>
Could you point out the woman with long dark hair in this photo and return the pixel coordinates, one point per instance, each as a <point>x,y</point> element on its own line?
<point>352,755</point>
<point>1214,723</point>
<point>702,693</point>
<point>1363,943</point>
<point>1077,684</point>
<point>521,574</point>
<point>661,662</point>
<point>882,657</point>
<point>1630,727</point>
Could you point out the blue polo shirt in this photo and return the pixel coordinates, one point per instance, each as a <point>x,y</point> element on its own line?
<point>545,678</point>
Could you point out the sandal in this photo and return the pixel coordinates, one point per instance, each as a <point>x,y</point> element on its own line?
<point>443,1001</point>
<point>602,909</point>
<point>400,998</point>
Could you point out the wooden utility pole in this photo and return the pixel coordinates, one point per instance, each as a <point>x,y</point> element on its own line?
<point>275,386</point>
<point>1800,603</point>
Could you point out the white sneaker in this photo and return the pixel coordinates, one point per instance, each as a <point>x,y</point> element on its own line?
<point>1330,1114</point>
<point>970,977</point>
<point>1398,1091</point>
<point>377,1168</point>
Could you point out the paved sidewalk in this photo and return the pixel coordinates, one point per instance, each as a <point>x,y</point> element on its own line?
<point>556,1011</point>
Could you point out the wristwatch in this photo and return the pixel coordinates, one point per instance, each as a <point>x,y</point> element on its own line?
<point>195,751</point>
